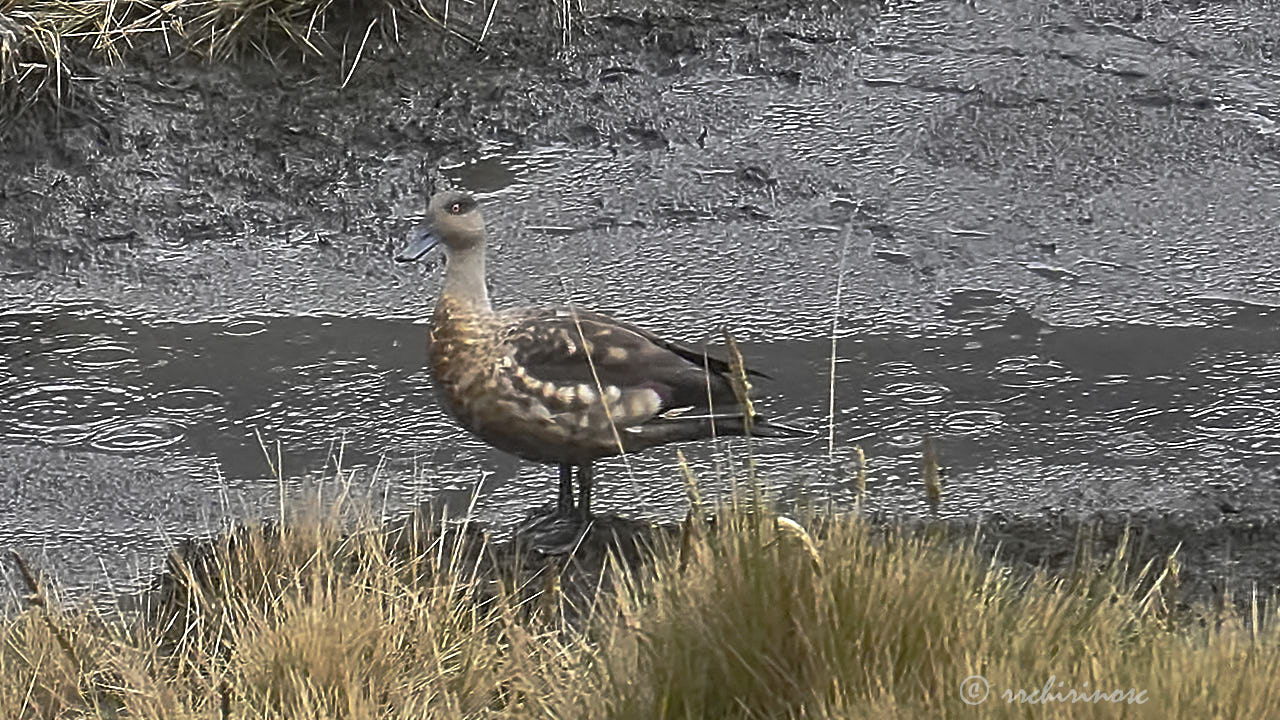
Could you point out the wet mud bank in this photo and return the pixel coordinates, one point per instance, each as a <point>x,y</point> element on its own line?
<point>1052,231</point>
<point>161,150</point>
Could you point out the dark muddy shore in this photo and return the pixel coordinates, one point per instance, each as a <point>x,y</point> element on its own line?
<point>1059,227</point>
<point>265,152</point>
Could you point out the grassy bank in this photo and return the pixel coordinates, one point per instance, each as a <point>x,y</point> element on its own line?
<point>751,615</point>
<point>44,43</point>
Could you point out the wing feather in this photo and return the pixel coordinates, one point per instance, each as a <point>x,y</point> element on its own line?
<point>563,347</point>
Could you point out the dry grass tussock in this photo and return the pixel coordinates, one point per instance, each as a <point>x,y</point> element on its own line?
<point>40,39</point>
<point>745,615</point>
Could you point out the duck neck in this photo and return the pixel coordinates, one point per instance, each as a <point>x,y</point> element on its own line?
<point>464,282</point>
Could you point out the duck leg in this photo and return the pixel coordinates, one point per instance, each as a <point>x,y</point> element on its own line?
<point>584,490</point>
<point>564,505</point>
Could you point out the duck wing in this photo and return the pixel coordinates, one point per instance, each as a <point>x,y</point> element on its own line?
<point>657,391</point>
<point>571,347</point>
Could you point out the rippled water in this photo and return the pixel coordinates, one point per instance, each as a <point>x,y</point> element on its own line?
<point>1060,262</point>
<point>190,403</point>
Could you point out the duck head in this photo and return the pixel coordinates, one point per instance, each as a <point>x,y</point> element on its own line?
<point>453,220</point>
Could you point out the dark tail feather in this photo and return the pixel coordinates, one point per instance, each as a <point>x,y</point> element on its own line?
<point>766,429</point>
<point>697,427</point>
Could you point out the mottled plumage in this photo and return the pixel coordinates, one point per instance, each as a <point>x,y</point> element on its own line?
<point>561,385</point>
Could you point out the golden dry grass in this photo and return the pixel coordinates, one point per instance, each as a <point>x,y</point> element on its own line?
<point>752,616</point>
<point>32,62</point>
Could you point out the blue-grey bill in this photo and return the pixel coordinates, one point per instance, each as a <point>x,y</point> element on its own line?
<point>419,245</point>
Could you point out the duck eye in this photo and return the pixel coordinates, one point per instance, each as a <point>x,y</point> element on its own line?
<point>456,208</point>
